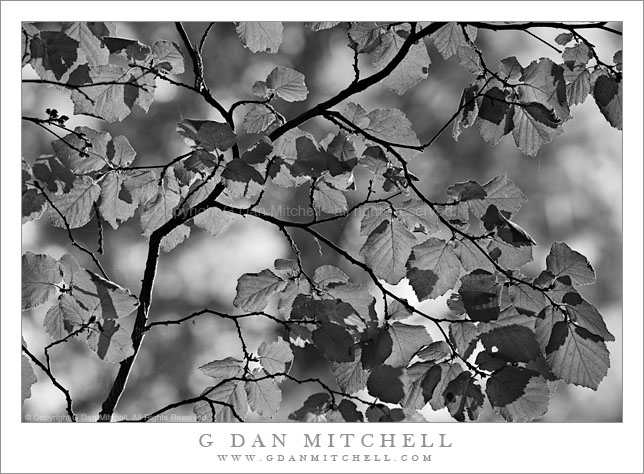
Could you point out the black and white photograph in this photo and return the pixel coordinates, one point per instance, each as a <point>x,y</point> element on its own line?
<point>401,231</point>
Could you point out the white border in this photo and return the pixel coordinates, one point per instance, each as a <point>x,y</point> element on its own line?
<point>613,447</point>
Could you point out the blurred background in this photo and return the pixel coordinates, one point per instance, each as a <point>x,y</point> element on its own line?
<point>574,189</point>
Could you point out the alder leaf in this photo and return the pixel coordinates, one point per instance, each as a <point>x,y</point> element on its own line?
<point>111,342</point>
<point>321,25</point>
<point>518,394</point>
<point>113,209</point>
<point>264,396</point>
<point>329,200</point>
<point>527,300</point>
<point>543,84</point>
<point>260,36</point>
<point>449,371</point>
<point>229,399</point>
<point>167,56</point>
<point>76,205</point>
<point>160,209</point>
<point>423,378</point>
<point>377,346</point>
<point>314,408</point>
<point>512,343</point>
<point>534,126</point>
<point>350,376</point>
<point>288,84</point>
<point>469,60</point>
<point>326,275</point>
<point>407,340</point>
<point>463,336</point>
<point>89,35</point>
<point>586,315</point>
<point>562,260</point>
<point>213,220</point>
<point>464,398</point>
<point>334,342</point>
<point>436,352</point>
<point>208,134</point>
<point>254,289</point>
<point>27,378</point>
<point>387,249</point>
<point>387,383</point>
<point>40,279</point>
<point>258,119</point>
<point>63,317</point>
<point>433,268</point>
<point>576,356</point>
<point>53,55</point>
<point>275,356</point>
<point>450,37</point>
<point>417,215</point>
<point>223,369</point>
<point>129,49</point>
<point>411,70</point>
<point>500,192</point>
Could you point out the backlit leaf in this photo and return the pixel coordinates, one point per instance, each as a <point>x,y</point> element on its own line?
<point>433,268</point>
<point>253,290</point>
<point>288,84</point>
<point>40,277</point>
<point>260,36</point>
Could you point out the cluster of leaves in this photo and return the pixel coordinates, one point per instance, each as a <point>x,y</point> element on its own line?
<point>508,334</point>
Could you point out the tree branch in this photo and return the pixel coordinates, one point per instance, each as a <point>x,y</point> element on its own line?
<point>68,398</point>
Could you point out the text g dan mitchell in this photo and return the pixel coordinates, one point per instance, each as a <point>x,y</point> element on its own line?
<point>332,440</point>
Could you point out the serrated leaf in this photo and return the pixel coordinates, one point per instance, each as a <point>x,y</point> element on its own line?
<point>432,268</point>
<point>449,371</point>
<point>480,294</point>
<point>328,274</point>
<point>586,315</point>
<point>509,256</point>
<point>527,300</point>
<point>232,400</point>
<point>27,378</point>
<point>502,193</point>
<point>321,25</point>
<point>64,317</point>
<point>66,150</point>
<point>97,296</point>
<point>288,84</point>
<point>275,356</point>
<point>33,205</point>
<point>469,60</point>
<point>577,83</point>
<point>110,98</point>
<point>464,398</point>
<point>423,378</point>
<point>213,221</point>
<point>349,411</point>
<point>76,205</point>
<point>112,208</point>
<point>407,340</point>
<point>531,405</point>
<point>411,70</point>
<point>463,336</point>
<point>509,316</point>
<point>513,343</point>
<point>377,346</point>
<point>357,296</point>
<point>511,68</point>
<point>129,49</point>
<point>450,37</point>
<point>329,200</point>
<point>396,311</point>
<point>160,209</point>
<point>260,36</point>
<point>495,116</point>
<point>112,342</point>
<point>350,376</point>
<point>577,356</point>
<point>254,289</point>
<point>564,38</point>
<point>534,126</point>
<point>167,56</point>
<point>334,342</point>
<point>40,277</point>
<point>387,383</point>
<point>223,369</point>
<point>53,54</point>
<point>258,119</point>
<point>518,394</point>
<point>89,35</point>
<point>469,110</point>
<point>313,409</point>
<point>436,352</point>
<point>264,396</point>
<point>393,126</point>
<point>579,54</point>
<point>544,325</point>
<point>414,213</point>
<point>562,260</point>
<point>208,134</point>
<point>471,257</point>
<point>140,186</point>
<point>387,249</point>
<point>543,83</point>
<point>366,35</point>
